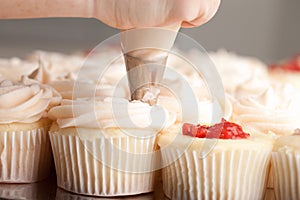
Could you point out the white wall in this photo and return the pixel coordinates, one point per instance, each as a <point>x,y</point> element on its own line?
<point>268,29</point>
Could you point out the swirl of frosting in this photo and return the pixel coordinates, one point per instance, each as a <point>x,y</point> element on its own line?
<point>111,113</point>
<point>275,110</point>
<point>26,101</point>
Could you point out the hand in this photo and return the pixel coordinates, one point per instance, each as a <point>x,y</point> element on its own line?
<point>121,14</point>
<point>128,14</point>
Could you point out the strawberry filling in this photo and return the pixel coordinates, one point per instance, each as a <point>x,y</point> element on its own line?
<point>290,65</point>
<point>222,130</point>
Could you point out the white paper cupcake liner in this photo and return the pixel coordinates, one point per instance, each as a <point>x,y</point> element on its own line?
<point>286,167</point>
<point>235,174</point>
<point>88,171</point>
<point>25,156</point>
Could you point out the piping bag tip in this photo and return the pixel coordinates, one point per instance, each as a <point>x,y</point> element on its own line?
<point>145,52</point>
<point>144,75</point>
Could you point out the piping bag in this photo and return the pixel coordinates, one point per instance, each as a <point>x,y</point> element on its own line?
<point>145,52</point>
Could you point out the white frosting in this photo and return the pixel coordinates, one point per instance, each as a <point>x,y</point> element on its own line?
<point>26,101</point>
<point>207,110</point>
<point>254,86</point>
<point>55,66</point>
<point>80,89</point>
<point>275,110</point>
<point>111,113</point>
<point>13,69</point>
<point>288,144</point>
<point>235,70</point>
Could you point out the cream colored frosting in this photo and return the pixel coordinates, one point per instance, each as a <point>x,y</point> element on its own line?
<point>207,110</point>
<point>80,89</point>
<point>55,66</point>
<point>26,101</point>
<point>111,113</point>
<point>283,76</point>
<point>254,86</point>
<point>275,110</point>
<point>235,70</point>
<point>288,144</point>
<point>14,68</point>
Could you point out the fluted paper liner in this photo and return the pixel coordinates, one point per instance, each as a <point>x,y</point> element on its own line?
<point>87,171</point>
<point>232,174</point>
<point>286,168</point>
<point>25,155</point>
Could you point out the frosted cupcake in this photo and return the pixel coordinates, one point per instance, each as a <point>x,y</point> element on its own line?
<point>83,89</point>
<point>286,167</point>
<point>24,141</point>
<point>106,147</point>
<point>197,166</point>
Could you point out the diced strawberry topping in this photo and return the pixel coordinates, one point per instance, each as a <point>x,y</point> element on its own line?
<point>290,65</point>
<point>222,130</point>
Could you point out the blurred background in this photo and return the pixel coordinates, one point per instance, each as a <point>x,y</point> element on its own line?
<point>268,30</point>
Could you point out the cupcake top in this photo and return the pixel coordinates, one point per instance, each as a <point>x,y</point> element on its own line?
<point>26,101</point>
<point>275,110</point>
<point>13,69</point>
<point>220,137</point>
<point>288,144</point>
<point>111,113</point>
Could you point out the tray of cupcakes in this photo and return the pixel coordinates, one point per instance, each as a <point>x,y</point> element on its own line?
<point>66,124</point>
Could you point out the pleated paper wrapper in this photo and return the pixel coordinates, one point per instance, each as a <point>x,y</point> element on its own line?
<point>234,174</point>
<point>286,169</point>
<point>26,156</point>
<point>93,171</point>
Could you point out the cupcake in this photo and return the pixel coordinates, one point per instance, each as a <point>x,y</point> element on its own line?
<point>107,147</point>
<point>214,162</point>
<point>286,167</point>
<point>24,141</point>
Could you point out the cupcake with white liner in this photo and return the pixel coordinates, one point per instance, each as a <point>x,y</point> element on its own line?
<point>214,162</point>
<point>25,146</point>
<point>107,147</point>
<point>286,166</point>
